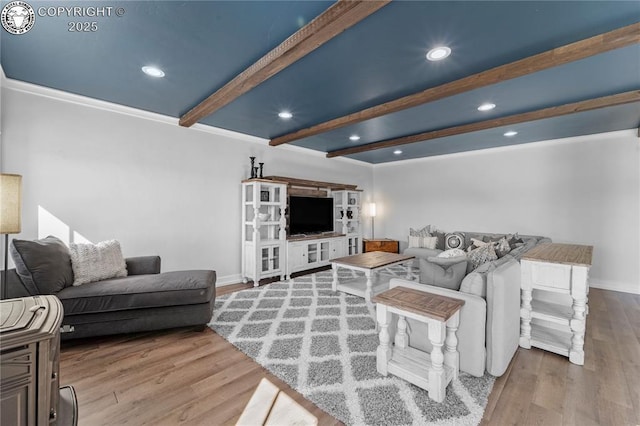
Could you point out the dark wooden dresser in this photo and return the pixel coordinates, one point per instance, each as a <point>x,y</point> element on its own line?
<point>382,244</point>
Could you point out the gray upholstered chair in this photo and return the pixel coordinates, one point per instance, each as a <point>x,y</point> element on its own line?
<point>445,272</point>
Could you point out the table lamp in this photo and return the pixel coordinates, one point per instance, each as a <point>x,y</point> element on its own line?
<point>10,205</point>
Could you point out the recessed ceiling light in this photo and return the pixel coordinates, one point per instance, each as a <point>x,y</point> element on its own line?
<point>285,115</point>
<point>486,107</point>
<point>397,152</point>
<point>438,53</point>
<point>510,133</point>
<point>354,138</point>
<point>152,71</point>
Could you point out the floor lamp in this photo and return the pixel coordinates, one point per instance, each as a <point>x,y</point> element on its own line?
<point>10,205</point>
<point>372,213</point>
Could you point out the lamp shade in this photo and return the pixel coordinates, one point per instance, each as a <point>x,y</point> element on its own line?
<point>372,209</point>
<point>10,203</point>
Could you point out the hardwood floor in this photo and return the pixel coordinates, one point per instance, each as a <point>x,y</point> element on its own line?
<point>187,377</point>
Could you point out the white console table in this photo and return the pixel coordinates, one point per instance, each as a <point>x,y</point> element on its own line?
<point>554,293</point>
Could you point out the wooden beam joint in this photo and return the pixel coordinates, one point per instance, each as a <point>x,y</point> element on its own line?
<point>336,19</point>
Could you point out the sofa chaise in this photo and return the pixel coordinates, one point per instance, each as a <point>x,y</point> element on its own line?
<point>143,300</point>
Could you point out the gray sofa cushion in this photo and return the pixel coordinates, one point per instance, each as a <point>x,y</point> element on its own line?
<point>143,265</point>
<point>476,281</point>
<point>421,253</point>
<point>443,272</point>
<point>139,291</point>
<point>44,266</point>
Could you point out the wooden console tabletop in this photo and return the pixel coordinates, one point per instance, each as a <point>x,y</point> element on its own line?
<point>566,254</point>
<point>429,305</point>
<point>372,260</point>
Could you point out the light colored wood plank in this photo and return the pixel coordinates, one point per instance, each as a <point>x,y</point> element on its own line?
<point>582,49</point>
<point>420,302</point>
<point>555,111</point>
<point>337,18</point>
<point>541,416</point>
<point>551,385</point>
<point>566,254</point>
<point>372,260</point>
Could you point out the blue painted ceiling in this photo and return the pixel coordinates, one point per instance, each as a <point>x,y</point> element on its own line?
<point>201,45</point>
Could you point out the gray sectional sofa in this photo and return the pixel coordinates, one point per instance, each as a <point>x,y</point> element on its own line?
<point>490,318</point>
<point>143,300</point>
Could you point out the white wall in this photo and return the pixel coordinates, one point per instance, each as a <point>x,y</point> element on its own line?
<point>583,190</point>
<point>162,189</point>
<point>154,186</point>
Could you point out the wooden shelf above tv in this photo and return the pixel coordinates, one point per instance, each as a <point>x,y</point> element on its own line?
<point>314,236</point>
<point>312,184</point>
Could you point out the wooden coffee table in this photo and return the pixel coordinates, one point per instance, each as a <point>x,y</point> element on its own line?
<point>371,264</point>
<point>434,371</point>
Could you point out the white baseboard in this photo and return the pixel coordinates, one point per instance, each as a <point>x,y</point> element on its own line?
<point>228,280</point>
<point>615,286</point>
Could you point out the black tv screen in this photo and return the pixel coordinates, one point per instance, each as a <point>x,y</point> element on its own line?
<point>309,215</point>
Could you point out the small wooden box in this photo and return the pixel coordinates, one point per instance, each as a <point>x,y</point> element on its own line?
<point>383,244</point>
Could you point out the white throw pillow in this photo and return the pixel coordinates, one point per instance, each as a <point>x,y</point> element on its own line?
<point>452,253</point>
<point>96,262</point>
<point>422,242</point>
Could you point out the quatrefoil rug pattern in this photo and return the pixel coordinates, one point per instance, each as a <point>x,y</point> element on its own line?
<point>323,344</point>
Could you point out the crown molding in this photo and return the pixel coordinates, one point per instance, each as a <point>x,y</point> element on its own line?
<point>60,95</point>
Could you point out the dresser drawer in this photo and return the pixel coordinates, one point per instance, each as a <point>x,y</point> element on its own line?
<point>550,275</point>
<point>17,364</point>
<point>389,246</point>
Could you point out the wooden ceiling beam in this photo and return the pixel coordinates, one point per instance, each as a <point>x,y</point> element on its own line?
<point>340,16</point>
<point>582,106</point>
<point>595,45</point>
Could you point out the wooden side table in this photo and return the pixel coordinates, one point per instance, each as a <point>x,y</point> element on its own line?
<point>432,372</point>
<point>546,321</point>
<point>382,244</point>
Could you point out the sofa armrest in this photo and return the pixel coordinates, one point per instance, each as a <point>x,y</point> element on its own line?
<point>15,288</point>
<point>143,265</point>
<point>471,331</point>
<point>503,316</point>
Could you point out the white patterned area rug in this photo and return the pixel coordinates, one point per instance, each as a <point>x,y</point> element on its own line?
<point>323,344</point>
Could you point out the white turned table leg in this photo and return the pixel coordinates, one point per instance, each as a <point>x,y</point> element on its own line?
<point>578,321</point>
<point>402,339</point>
<point>525,319</point>
<point>369,290</point>
<point>437,382</point>
<point>383,354</point>
<point>409,274</point>
<point>451,355</point>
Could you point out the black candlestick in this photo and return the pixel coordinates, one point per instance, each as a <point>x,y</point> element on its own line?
<point>261,165</point>
<point>253,167</point>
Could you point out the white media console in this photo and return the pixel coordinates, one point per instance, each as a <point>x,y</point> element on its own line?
<point>267,250</point>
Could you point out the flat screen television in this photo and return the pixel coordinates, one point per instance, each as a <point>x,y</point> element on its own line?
<point>310,215</point>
